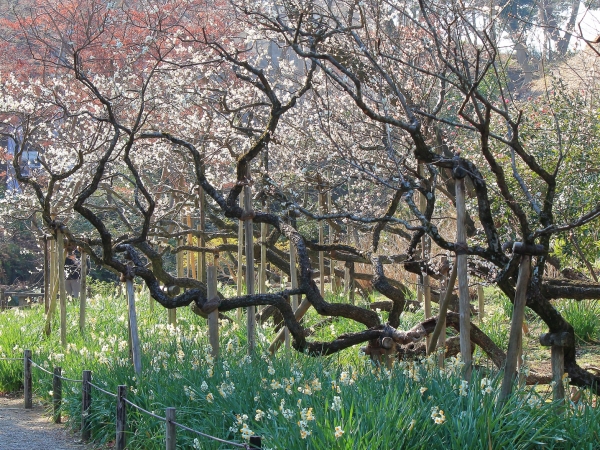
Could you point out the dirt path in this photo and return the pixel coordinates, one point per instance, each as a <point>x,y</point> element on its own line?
<point>31,429</point>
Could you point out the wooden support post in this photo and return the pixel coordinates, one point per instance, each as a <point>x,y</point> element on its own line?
<point>61,286</point>
<point>86,403</point>
<point>191,256</point>
<point>27,384</point>
<point>201,240</point>
<point>240,255</point>
<point>427,301</point>
<point>249,241</point>
<point>172,312</point>
<point>56,394</point>
<point>330,241</point>
<point>2,299</point>
<point>213,317</point>
<point>557,343</point>
<point>557,360</point>
<point>46,274</point>
<point>516,329</point>
<point>171,433</point>
<point>54,260</point>
<point>262,279</point>
<point>349,266</point>
<point>294,285</point>
<point>425,250</point>
<point>463,283</point>
<point>121,440</point>
<point>136,348</point>
<point>481,299</point>
<point>321,200</point>
<point>440,326</point>
<point>83,292</point>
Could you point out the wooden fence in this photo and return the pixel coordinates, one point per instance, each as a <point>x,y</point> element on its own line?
<point>121,404</point>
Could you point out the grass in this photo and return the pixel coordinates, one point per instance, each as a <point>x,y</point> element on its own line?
<point>293,401</point>
<point>585,317</point>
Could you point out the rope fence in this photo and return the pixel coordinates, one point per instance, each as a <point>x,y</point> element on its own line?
<point>51,373</point>
<point>121,403</point>
<point>102,390</point>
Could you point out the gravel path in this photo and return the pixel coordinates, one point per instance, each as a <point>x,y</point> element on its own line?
<point>31,429</point>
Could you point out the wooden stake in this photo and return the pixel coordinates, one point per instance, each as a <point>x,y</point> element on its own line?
<point>83,292</point>
<point>171,432</point>
<point>481,299</point>
<point>86,403</point>
<point>27,383</point>
<point>557,359</point>
<point>56,394</point>
<point>240,254</point>
<point>213,317</point>
<point>557,343</point>
<point>330,241</point>
<point>201,240</point>
<point>249,235</point>
<point>425,250</point>
<point>61,286</point>
<point>463,283</point>
<point>46,275</point>
<point>440,326</point>
<point>53,288</point>
<point>516,329</point>
<point>121,439</point>
<point>172,312</point>
<point>191,255</point>
<point>294,285</point>
<point>321,200</point>
<point>136,348</point>
<point>262,280</point>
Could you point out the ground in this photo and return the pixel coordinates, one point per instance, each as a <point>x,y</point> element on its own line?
<point>32,429</point>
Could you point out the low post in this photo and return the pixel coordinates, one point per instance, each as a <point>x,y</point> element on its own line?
<point>56,394</point>
<point>121,417</point>
<point>2,299</point>
<point>27,385</point>
<point>171,436</point>
<point>557,343</point>
<point>255,442</point>
<point>213,316</point>
<point>86,402</point>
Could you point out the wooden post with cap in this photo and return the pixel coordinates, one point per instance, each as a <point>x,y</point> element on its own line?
<point>557,343</point>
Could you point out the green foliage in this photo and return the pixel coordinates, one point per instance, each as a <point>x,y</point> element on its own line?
<point>413,406</point>
<point>585,317</point>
